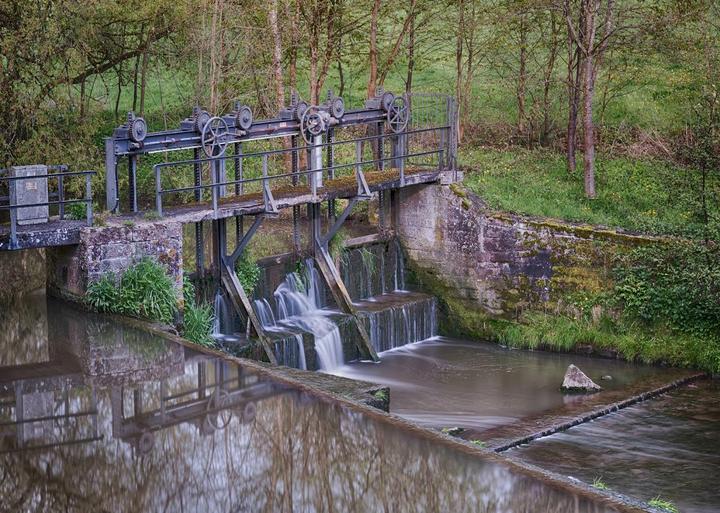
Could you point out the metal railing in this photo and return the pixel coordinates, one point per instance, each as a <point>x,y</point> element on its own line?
<point>55,197</point>
<point>314,175</point>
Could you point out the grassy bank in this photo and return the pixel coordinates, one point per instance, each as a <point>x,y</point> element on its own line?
<point>642,195</point>
<point>630,340</point>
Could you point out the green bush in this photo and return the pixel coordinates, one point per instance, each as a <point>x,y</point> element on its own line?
<point>248,272</point>
<point>677,285</point>
<point>76,211</point>
<point>145,290</point>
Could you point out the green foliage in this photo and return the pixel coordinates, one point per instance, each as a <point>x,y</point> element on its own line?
<point>643,195</point>
<point>188,291</point>
<point>599,484</point>
<point>478,443</point>
<point>660,503</point>
<point>248,272</point>
<point>198,324</point>
<point>103,294</point>
<point>676,284</point>
<point>381,395</point>
<point>336,245</point>
<point>145,290</point>
<point>76,211</point>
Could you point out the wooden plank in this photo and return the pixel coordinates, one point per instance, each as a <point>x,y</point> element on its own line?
<point>342,298</point>
<point>241,302</point>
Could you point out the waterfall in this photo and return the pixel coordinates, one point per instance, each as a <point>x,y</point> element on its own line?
<point>402,322</point>
<point>223,318</point>
<point>299,309</point>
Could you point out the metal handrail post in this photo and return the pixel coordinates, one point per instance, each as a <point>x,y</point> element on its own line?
<point>88,199</point>
<point>61,196</point>
<point>158,191</point>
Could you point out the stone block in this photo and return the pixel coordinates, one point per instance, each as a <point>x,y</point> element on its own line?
<point>29,191</point>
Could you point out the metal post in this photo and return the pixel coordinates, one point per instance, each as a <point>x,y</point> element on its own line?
<point>315,163</point>
<point>61,196</point>
<point>13,227</point>
<point>197,170</point>
<point>215,179</point>
<point>158,191</point>
<point>331,171</point>
<point>295,164</point>
<point>315,228</point>
<point>111,192</point>
<point>132,183</point>
<point>381,146</point>
<point>239,189</point>
<point>199,249</point>
<point>88,197</point>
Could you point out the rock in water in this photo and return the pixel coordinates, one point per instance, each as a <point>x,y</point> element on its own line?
<point>576,381</point>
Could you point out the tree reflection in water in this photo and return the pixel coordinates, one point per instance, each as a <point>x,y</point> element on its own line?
<point>296,454</point>
<point>138,428</point>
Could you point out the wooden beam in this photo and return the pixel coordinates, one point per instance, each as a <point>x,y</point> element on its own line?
<point>241,302</point>
<point>342,298</point>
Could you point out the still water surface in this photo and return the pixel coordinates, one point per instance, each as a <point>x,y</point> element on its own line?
<point>96,416</point>
<point>444,382</point>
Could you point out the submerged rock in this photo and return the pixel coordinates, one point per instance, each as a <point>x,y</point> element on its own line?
<point>576,381</point>
<point>606,377</point>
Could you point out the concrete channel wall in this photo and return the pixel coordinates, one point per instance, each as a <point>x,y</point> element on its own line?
<point>487,267</point>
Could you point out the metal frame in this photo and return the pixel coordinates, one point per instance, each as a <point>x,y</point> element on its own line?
<point>61,201</point>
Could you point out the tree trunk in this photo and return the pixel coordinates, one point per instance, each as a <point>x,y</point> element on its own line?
<point>547,80</point>
<point>573,78</point>
<point>411,55</point>
<point>522,78</point>
<point>373,54</point>
<point>588,94</point>
<point>458,64</point>
<point>277,54</point>
<point>143,80</point>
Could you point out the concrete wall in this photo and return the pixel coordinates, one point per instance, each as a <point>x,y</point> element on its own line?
<point>488,267</point>
<point>112,249</point>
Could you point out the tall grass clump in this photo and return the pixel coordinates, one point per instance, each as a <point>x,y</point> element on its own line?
<point>144,290</point>
<point>198,319</point>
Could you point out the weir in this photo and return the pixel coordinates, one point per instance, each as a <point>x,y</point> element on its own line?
<point>234,172</point>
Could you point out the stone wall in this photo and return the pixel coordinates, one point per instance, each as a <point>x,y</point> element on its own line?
<point>112,249</point>
<point>487,268</point>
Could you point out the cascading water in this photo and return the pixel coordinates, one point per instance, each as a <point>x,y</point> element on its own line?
<point>299,309</point>
<point>223,323</point>
<point>394,320</point>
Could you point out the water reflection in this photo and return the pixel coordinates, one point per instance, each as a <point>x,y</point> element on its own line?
<point>120,421</point>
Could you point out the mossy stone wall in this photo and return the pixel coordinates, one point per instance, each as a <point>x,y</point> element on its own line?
<point>487,267</point>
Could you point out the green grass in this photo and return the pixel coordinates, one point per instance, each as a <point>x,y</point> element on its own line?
<point>662,504</point>
<point>600,484</point>
<point>634,341</point>
<point>641,195</point>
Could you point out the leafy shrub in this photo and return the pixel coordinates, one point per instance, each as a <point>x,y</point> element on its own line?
<point>76,211</point>
<point>677,285</point>
<point>145,290</point>
<point>248,272</point>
